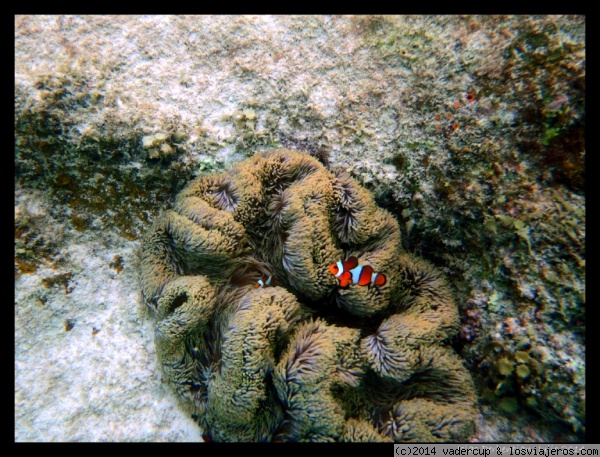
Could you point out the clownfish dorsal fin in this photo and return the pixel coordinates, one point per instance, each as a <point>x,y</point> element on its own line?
<point>350,263</point>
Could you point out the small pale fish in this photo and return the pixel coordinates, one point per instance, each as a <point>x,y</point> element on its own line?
<point>350,271</point>
<point>263,283</point>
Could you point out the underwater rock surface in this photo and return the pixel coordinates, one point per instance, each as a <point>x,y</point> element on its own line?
<point>305,360</point>
<point>469,130</point>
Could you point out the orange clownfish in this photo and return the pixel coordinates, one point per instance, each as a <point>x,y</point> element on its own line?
<point>260,283</point>
<point>350,271</point>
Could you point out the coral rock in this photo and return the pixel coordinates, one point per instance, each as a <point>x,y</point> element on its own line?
<point>305,360</point>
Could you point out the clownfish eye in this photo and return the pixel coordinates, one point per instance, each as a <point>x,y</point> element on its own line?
<point>334,269</point>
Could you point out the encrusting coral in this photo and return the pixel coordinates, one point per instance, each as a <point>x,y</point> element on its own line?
<point>304,359</point>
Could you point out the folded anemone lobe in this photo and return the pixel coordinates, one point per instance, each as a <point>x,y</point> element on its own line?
<point>299,357</point>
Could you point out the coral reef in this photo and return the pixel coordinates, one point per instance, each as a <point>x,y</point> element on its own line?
<point>468,129</point>
<point>304,360</point>
<point>490,188</point>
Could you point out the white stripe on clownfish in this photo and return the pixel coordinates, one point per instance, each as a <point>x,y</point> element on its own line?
<point>340,266</point>
<point>355,272</point>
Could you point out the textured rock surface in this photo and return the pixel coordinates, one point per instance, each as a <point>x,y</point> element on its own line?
<point>470,130</point>
<point>85,358</point>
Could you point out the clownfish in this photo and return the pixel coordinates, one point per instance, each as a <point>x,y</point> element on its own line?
<point>260,283</point>
<point>350,271</point>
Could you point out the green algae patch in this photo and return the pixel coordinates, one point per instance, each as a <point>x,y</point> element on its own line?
<point>522,357</point>
<point>99,183</point>
<point>80,223</point>
<point>523,371</point>
<point>509,405</point>
<point>505,367</point>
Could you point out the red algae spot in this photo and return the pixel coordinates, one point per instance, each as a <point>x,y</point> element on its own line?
<point>438,117</point>
<point>456,105</point>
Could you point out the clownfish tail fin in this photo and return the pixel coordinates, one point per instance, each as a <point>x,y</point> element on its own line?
<point>380,280</point>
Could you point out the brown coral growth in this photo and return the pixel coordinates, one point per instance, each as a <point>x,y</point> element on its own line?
<point>304,360</point>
